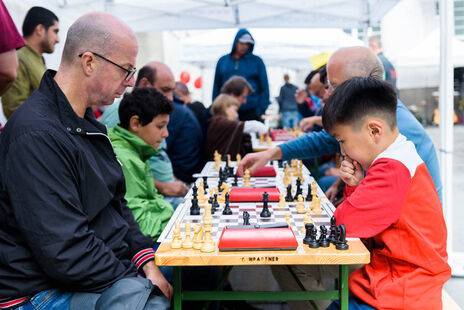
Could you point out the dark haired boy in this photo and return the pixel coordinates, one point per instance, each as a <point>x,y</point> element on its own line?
<point>144,115</point>
<point>40,31</point>
<point>394,208</point>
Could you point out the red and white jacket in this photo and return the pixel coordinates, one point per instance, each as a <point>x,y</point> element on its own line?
<point>396,211</point>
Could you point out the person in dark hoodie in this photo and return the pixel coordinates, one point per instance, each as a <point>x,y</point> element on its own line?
<point>241,61</point>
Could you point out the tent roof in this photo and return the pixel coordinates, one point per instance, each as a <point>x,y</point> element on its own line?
<point>289,48</point>
<point>149,15</point>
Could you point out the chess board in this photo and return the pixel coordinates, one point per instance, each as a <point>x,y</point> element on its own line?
<point>182,214</point>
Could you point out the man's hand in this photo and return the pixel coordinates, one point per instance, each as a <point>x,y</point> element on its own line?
<point>254,161</point>
<point>300,96</point>
<point>309,122</point>
<point>171,189</point>
<point>153,273</point>
<point>351,172</point>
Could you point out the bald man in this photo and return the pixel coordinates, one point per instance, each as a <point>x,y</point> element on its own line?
<point>343,65</point>
<point>70,237</point>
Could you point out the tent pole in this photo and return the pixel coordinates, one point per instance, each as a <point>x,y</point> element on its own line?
<point>446,107</point>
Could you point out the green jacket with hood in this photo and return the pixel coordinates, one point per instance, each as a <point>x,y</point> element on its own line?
<point>150,210</point>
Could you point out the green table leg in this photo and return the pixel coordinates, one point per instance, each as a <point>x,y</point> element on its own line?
<point>177,288</point>
<point>343,287</point>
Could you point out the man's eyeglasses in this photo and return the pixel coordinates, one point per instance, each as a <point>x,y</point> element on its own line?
<point>130,73</point>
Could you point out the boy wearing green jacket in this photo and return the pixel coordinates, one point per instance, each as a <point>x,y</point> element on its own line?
<point>144,115</point>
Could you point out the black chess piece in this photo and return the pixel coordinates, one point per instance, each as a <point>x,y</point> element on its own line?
<point>195,208</point>
<point>246,218</point>
<point>309,228</point>
<point>309,197</point>
<point>205,183</point>
<point>220,185</point>
<point>280,163</point>
<point>220,172</point>
<point>313,242</point>
<point>265,212</point>
<point>215,204</point>
<point>323,242</point>
<point>227,210</point>
<point>299,190</point>
<point>333,235</point>
<point>289,196</point>
<point>211,202</point>
<point>235,180</point>
<point>341,242</point>
<point>231,172</point>
<point>195,190</point>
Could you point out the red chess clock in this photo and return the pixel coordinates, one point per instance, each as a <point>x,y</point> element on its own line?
<point>256,238</point>
<point>249,194</point>
<point>266,171</point>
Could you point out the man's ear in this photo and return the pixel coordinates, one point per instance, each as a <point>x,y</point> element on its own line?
<point>376,129</point>
<point>40,30</point>
<point>88,63</point>
<point>134,124</point>
<point>144,82</point>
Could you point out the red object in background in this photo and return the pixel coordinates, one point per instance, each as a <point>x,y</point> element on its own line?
<point>257,239</point>
<point>184,77</point>
<point>266,171</point>
<point>281,135</point>
<point>198,82</point>
<point>250,194</point>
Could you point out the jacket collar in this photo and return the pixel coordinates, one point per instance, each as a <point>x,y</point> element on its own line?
<point>71,121</point>
<point>141,147</point>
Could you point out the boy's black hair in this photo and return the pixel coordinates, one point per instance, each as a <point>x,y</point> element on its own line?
<point>357,98</point>
<point>322,74</point>
<point>38,16</point>
<point>310,76</point>
<point>146,103</point>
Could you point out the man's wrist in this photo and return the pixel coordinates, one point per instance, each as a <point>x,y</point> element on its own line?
<point>275,153</point>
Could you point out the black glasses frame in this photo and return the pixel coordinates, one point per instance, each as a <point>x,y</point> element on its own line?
<point>130,73</point>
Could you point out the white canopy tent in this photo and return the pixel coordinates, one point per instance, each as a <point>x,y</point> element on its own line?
<point>149,15</point>
<point>289,48</point>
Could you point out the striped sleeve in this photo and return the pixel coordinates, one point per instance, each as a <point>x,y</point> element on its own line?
<point>143,257</point>
<point>10,303</point>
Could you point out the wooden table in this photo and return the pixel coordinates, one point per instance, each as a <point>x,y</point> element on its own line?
<point>303,255</point>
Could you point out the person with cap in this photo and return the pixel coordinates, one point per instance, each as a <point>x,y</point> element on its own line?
<point>241,61</point>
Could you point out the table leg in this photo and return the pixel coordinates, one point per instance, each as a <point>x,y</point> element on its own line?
<point>177,288</point>
<point>343,287</point>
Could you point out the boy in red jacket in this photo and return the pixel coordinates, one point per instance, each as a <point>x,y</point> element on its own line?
<point>394,208</point>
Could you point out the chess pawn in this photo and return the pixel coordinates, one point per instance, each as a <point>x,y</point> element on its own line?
<point>198,239</point>
<point>300,209</point>
<point>307,219</point>
<point>177,239</point>
<point>261,138</point>
<point>221,198</point>
<point>201,195</point>
<point>317,205</point>
<point>287,218</point>
<point>228,160</point>
<point>246,178</point>
<point>188,243</point>
<point>208,243</point>
<point>208,218</point>
<point>281,201</point>
<point>238,159</point>
<point>314,189</point>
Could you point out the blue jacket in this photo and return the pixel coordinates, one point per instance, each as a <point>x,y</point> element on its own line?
<point>252,68</point>
<point>321,143</point>
<point>184,142</point>
<point>286,99</point>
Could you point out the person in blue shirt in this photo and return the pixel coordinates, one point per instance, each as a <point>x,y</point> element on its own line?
<point>344,64</point>
<point>241,61</point>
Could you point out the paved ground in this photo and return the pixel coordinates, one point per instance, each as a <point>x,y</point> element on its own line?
<point>455,286</point>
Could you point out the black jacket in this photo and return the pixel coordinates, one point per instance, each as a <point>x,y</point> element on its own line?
<point>63,219</point>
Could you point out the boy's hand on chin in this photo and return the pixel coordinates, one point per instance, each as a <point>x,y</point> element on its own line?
<point>351,172</point>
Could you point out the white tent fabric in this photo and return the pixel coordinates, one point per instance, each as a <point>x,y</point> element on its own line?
<point>149,15</point>
<point>287,48</point>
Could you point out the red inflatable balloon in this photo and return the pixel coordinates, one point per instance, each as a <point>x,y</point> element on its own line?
<point>184,77</point>
<point>198,83</point>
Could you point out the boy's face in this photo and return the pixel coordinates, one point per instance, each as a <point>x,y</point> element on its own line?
<point>357,144</point>
<point>154,132</point>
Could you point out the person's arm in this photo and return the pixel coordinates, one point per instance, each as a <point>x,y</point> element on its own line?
<point>309,122</point>
<point>18,93</point>
<point>310,145</point>
<point>217,84</point>
<point>171,189</point>
<point>374,205</point>
<point>254,161</point>
<point>8,70</point>
<point>40,176</point>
